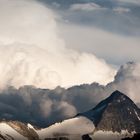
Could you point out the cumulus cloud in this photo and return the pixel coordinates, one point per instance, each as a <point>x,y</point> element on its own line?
<point>37,55</point>
<point>127,80</point>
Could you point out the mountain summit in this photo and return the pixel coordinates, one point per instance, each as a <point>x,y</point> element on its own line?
<point>116,113</point>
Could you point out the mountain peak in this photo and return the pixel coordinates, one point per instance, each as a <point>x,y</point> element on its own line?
<point>115,113</point>
<point>117,93</point>
<point>118,96</point>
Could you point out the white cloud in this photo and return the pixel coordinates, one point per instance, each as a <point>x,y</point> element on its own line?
<point>32,53</point>
<point>127,80</point>
<point>85,7</point>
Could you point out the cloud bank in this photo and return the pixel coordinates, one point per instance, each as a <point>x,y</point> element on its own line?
<point>40,106</point>
<point>32,53</point>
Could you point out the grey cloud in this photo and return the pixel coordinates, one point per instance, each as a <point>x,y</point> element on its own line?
<point>45,107</point>
<point>110,15</point>
<point>120,19</point>
<point>111,20</point>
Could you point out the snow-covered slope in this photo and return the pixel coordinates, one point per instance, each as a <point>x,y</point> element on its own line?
<point>8,133</point>
<point>72,129</point>
<point>14,130</point>
<point>75,127</point>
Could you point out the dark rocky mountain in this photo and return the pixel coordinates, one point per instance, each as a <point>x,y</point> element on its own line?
<point>116,113</point>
